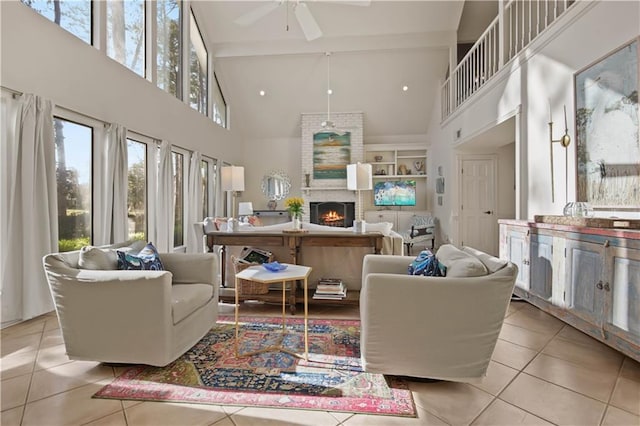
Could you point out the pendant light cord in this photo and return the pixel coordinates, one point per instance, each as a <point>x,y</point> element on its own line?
<point>328,86</point>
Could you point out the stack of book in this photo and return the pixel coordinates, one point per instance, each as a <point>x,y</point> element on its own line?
<point>330,289</point>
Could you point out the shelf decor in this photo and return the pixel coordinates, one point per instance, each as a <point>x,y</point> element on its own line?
<point>608,145</point>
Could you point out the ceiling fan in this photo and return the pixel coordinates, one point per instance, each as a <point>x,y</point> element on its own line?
<point>307,22</point>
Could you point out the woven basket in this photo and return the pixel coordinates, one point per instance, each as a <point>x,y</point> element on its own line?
<point>246,287</point>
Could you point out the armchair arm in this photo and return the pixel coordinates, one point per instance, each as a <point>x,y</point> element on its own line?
<point>388,264</point>
<point>191,268</point>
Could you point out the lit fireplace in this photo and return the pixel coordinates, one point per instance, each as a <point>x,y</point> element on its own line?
<point>332,213</point>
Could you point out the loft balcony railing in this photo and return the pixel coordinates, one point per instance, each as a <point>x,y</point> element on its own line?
<point>518,23</point>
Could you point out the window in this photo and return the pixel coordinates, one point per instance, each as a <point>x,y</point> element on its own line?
<point>72,15</point>
<point>178,201</point>
<point>126,33</point>
<point>168,42</point>
<point>197,69</point>
<point>137,190</point>
<point>73,143</point>
<point>219,104</point>
<point>204,172</point>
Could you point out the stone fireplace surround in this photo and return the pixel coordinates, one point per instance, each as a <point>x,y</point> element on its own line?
<point>323,190</point>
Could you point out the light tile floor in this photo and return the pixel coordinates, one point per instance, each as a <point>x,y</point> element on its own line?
<point>543,372</point>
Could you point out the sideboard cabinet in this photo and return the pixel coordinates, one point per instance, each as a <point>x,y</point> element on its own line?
<point>587,277</point>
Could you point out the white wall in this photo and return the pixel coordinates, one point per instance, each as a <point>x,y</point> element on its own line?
<point>41,58</point>
<point>544,74</point>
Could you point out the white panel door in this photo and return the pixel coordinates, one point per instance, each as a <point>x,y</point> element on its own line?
<point>478,223</point>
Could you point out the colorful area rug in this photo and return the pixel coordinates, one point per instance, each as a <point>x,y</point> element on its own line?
<point>210,373</point>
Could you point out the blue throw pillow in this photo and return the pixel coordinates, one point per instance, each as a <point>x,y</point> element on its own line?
<point>427,264</point>
<point>147,259</point>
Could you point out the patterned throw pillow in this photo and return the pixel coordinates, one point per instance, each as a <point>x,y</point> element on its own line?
<point>427,264</point>
<point>147,260</point>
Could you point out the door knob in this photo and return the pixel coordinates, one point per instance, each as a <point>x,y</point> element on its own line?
<point>488,212</point>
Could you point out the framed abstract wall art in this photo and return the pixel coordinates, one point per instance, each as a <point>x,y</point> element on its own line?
<point>607,136</point>
<point>331,154</point>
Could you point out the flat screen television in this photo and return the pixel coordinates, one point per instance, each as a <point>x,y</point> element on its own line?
<point>394,193</point>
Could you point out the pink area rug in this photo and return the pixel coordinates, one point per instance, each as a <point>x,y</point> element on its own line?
<point>210,373</point>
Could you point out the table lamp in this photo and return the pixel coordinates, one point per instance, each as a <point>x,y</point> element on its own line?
<point>232,180</point>
<point>359,178</point>
<point>245,209</point>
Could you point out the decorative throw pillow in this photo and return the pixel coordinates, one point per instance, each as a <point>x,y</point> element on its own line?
<point>427,264</point>
<point>148,260</point>
<point>460,263</point>
<point>97,259</point>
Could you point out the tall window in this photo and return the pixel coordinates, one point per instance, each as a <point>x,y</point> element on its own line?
<point>178,201</point>
<point>197,69</point>
<point>72,15</point>
<point>204,172</point>
<point>168,42</point>
<point>125,33</point>
<point>73,144</point>
<point>137,190</point>
<point>219,104</point>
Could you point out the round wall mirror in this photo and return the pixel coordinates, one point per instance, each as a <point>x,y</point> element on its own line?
<point>276,185</point>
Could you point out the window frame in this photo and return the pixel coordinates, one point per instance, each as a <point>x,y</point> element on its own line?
<point>149,145</point>
<point>185,188</point>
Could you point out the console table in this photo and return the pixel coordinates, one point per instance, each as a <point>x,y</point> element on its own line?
<point>294,241</point>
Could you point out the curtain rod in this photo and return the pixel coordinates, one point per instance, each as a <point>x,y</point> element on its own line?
<point>16,93</point>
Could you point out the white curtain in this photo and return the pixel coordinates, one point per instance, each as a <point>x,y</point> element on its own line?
<point>165,201</point>
<point>112,223</point>
<point>28,198</point>
<point>193,205</point>
<point>219,201</point>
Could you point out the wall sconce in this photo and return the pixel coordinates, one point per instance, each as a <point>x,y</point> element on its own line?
<point>359,178</point>
<point>564,141</point>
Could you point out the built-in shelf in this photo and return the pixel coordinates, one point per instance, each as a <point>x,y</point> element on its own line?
<point>399,176</point>
<point>306,189</point>
<point>392,159</point>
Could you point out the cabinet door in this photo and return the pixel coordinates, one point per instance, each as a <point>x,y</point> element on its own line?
<point>540,264</point>
<point>622,292</point>
<point>517,252</point>
<point>584,273</point>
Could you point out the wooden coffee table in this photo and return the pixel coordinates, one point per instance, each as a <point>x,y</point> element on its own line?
<point>291,274</point>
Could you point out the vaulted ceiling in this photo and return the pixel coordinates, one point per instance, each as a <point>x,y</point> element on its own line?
<point>377,47</point>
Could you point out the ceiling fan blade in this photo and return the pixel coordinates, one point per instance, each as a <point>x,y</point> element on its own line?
<point>307,22</point>
<point>256,14</point>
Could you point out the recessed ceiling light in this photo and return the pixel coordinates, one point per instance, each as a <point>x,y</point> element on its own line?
<point>262,93</point>
<point>405,88</point>
<point>329,92</point>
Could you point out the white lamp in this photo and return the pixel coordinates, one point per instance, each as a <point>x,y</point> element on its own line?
<point>232,180</point>
<point>359,178</point>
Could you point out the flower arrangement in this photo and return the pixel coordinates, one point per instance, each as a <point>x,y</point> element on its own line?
<point>294,206</point>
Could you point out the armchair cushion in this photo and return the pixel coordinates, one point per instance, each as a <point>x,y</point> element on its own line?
<point>104,259</point>
<point>460,263</point>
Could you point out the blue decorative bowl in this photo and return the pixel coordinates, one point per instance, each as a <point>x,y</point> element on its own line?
<point>274,266</point>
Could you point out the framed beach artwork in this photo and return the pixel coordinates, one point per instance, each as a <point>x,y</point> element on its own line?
<point>331,154</point>
<point>607,136</point>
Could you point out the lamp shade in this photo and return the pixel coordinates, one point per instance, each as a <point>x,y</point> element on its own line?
<point>245,208</point>
<point>232,178</point>
<point>359,176</point>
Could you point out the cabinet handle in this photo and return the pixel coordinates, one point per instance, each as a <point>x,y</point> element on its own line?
<point>607,287</point>
<point>599,285</point>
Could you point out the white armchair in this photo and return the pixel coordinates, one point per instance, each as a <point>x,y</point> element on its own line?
<point>422,230</point>
<point>432,327</point>
<point>141,317</point>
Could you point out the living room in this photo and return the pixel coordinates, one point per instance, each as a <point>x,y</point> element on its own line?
<point>506,119</point>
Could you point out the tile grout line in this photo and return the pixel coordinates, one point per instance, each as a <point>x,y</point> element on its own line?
<point>521,371</point>
<point>33,370</point>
